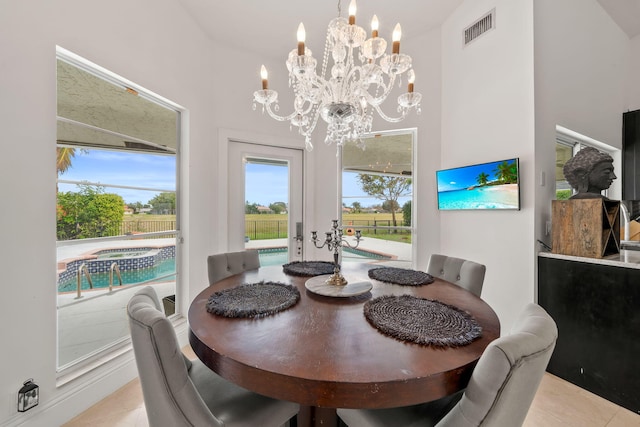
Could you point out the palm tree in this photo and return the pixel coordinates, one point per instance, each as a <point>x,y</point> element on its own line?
<point>64,156</point>
<point>482,178</point>
<point>63,160</point>
<point>506,172</point>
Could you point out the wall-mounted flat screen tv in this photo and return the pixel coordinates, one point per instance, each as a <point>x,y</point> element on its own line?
<point>493,185</point>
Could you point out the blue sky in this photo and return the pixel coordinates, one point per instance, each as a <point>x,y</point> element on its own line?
<point>265,184</point>
<point>121,168</point>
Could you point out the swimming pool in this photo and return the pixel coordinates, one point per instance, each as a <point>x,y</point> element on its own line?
<point>101,280</point>
<point>273,256</point>
<point>136,265</point>
<point>363,253</point>
<point>280,256</point>
<point>146,264</point>
<point>117,254</point>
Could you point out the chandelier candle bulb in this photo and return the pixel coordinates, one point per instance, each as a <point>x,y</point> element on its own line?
<point>397,35</point>
<point>301,37</point>
<point>264,75</point>
<point>374,27</point>
<point>412,78</point>
<point>352,12</point>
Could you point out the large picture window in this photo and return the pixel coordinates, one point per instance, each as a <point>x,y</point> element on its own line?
<point>377,193</point>
<point>117,212</point>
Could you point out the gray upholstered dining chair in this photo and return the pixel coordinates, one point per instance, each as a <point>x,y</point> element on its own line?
<point>501,388</point>
<point>221,266</point>
<point>179,392</point>
<point>466,274</point>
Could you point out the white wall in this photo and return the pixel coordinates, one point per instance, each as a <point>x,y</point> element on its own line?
<point>633,86</point>
<point>426,53</point>
<point>582,60</point>
<point>487,115</point>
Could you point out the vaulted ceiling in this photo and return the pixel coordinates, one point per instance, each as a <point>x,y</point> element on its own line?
<point>626,13</point>
<point>269,27</point>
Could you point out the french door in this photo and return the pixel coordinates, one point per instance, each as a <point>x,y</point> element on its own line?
<point>265,201</point>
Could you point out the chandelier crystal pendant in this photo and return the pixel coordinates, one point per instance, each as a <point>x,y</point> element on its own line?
<point>346,94</point>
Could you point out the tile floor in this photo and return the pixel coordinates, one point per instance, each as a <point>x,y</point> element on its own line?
<point>557,404</point>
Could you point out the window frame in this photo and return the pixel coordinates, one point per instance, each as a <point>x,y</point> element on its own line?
<point>413,228</point>
<point>95,359</point>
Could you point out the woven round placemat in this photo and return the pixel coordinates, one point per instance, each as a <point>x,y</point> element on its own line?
<point>422,321</point>
<point>401,276</point>
<point>253,299</point>
<point>308,268</point>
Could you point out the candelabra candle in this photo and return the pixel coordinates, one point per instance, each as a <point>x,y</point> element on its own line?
<point>334,242</point>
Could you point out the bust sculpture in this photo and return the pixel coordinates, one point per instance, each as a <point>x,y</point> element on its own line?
<point>589,172</point>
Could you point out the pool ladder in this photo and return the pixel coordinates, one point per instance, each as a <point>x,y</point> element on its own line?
<point>84,269</point>
<point>114,268</point>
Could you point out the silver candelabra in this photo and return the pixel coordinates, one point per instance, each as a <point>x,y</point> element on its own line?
<point>334,241</point>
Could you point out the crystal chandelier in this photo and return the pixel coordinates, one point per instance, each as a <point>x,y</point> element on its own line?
<point>346,94</point>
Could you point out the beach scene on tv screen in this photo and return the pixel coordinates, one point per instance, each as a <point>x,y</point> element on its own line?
<point>484,186</point>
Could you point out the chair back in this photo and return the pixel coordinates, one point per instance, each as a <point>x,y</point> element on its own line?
<point>170,397</point>
<point>221,266</point>
<point>466,274</point>
<point>507,376</point>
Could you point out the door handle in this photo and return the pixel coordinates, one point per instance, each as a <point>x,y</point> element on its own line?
<point>299,237</point>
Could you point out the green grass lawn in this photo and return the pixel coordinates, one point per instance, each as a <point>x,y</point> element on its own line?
<point>274,226</point>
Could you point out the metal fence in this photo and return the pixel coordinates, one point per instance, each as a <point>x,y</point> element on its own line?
<point>267,229</point>
<point>377,226</point>
<point>146,226</point>
<point>270,229</point>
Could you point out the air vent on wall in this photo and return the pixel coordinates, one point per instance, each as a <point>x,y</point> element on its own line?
<point>480,27</point>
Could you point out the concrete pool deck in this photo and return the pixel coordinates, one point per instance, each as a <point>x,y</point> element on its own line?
<point>88,324</point>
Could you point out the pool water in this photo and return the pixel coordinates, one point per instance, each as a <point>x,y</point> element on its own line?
<point>273,257</point>
<point>362,253</point>
<point>280,256</point>
<point>125,254</point>
<point>101,280</point>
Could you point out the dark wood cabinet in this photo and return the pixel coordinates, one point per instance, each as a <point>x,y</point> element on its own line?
<point>631,155</point>
<point>597,310</point>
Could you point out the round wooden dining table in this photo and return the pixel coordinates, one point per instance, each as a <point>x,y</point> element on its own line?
<point>323,353</point>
